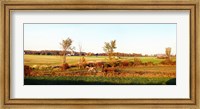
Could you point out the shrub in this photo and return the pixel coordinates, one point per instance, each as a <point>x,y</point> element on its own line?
<point>124,63</point>
<point>56,66</point>
<point>116,63</point>
<point>106,64</point>
<point>99,64</point>
<point>82,63</point>
<point>83,60</point>
<point>131,63</point>
<point>110,69</point>
<point>65,66</point>
<point>148,63</point>
<point>43,67</point>
<point>137,61</point>
<point>27,70</point>
<point>56,69</point>
<point>173,63</point>
<point>35,67</point>
<point>91,64</point>
<point>168,62</point>
<point>74,65</point>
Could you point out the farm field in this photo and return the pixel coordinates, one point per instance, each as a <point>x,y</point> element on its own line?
<point>57,60</point>
<point>100,54</point>
<point>154,74</point>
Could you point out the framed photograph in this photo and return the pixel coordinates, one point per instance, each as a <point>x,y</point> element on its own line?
<point>125,54</point>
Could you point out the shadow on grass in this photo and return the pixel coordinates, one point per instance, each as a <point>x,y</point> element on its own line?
<point>63,82</point>
<point>82,82</point>
<point>171,81</point>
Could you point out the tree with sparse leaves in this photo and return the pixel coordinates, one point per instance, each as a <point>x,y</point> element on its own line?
<point>168,52</point>
<point>109,48</point>
<point>66,45</point>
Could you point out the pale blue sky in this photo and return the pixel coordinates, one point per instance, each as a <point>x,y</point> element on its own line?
<point>131,38</point>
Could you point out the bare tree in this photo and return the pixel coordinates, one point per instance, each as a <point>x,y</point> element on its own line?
<point>66,45</point>
<point>72,50</point>
<point>80,49</point>
<point>80,55</point>
<point>109,48</point>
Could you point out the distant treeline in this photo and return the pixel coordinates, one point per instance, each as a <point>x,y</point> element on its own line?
<point>59,52</point>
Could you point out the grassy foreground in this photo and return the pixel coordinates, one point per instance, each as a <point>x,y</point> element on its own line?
<point>125,75</point>
<point>82,80</point>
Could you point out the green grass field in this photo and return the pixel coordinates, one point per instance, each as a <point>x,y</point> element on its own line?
<point>57,60</point>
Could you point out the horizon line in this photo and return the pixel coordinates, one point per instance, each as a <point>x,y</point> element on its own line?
<point>102,52</point>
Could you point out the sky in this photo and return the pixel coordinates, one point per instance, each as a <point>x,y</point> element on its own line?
<point>130,38</point>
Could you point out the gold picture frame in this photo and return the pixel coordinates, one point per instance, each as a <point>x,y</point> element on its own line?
<point>10,5</point>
